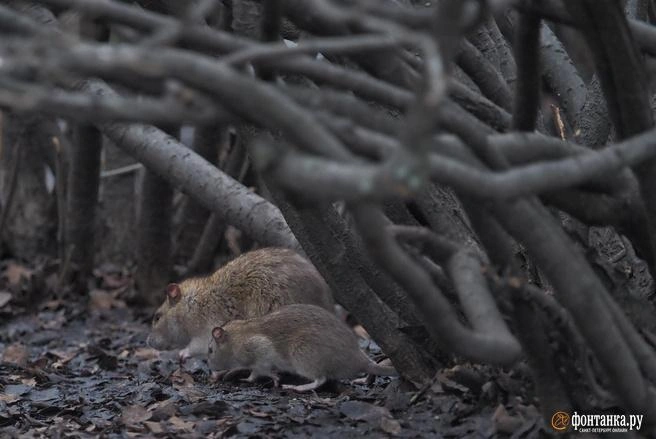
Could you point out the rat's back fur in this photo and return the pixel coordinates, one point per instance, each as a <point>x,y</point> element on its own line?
<point>251,285</point>
<point>301,339</point>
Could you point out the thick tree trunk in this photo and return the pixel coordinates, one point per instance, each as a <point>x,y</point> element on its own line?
<point>193,216</point>
<point>83,183</point>
<point>117,218</point>
<point>154,237</point>
<point>183,168</point>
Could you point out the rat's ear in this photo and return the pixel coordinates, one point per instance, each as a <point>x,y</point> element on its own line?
<point>173,293</point>
<point>218,333</point>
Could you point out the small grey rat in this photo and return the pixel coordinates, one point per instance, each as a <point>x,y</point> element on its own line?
<point>251,285</point>
<point>302,339</point>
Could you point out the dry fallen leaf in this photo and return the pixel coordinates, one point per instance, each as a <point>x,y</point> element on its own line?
<point>364,411</point>
<point>14,272</point>
<point>28,381</point>
<point>504,422</point>
<point>181,379</point>
<point>16,353</point>
<point>181,424</point>
<point>259,414</point>
<point>52,305</point>
<point>5,297</point>
<point>162,410</point>
<point>141,354</point>
<point>390,426</point>
<point>134,414</point>
<point>154,427</point>
<point>100,300</point>
<point>63,357</point>
<point>56,321</point>
<point>447,384</point>
<point>115,280</point>
<point>9,398</point>
<point>191,393</point>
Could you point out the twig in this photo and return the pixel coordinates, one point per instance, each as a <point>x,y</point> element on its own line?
<point>122,170</point>
<point>60,170</point>
<point>558,120</point>
<point>334,45</point>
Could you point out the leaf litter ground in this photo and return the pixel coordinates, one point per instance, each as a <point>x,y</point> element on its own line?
<point>81,368</point>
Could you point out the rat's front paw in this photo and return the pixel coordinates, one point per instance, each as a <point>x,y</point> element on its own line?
<point>184,355</point>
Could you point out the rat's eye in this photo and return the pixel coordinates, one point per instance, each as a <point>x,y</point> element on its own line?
<point>156,317</point>
<point>210,349</point>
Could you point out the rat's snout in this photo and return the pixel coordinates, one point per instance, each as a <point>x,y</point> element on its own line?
<point>155,341</point>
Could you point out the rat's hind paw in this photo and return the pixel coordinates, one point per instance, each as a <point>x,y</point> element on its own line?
<point>305,387</point>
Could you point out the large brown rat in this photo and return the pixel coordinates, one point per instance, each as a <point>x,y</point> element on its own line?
<point>251,285</point>
<point>301,339</point>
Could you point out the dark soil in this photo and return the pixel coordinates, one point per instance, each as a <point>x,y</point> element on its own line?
<point>81,368</point>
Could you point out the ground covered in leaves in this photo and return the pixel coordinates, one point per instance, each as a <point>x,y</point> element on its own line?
<point>79,367</point>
